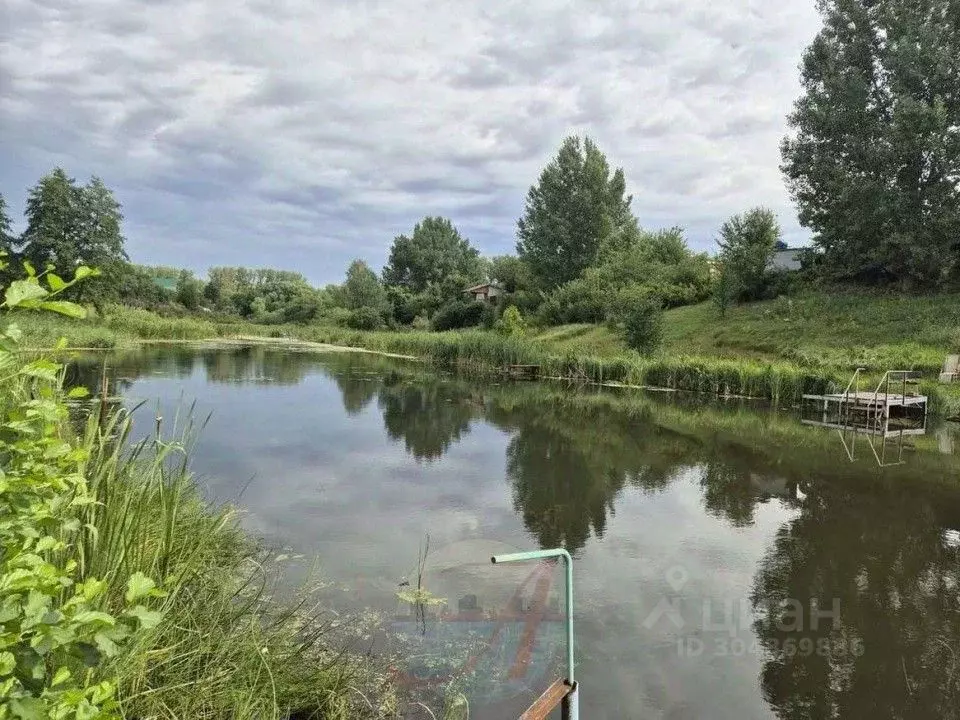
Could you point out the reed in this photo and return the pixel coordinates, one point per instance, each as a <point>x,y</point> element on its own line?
<point>230,643</point>
<point>781,382</point>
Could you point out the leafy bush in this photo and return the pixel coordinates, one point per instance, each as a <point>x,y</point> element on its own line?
<point>577,301</point>
<point>54,632</point>
<point>460,314</point>
<point>365,318</point>
<point>338,316</point>
<point>747,244</point>
<point>643,323</point>
<point>511,323</point>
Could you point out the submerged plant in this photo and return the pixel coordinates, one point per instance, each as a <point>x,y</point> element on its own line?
<point>419,597</point>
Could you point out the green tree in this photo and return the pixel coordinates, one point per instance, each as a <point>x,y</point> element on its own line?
<point>511,323</point>
<point>874,159</point>
<point>659,260</point>
<point>189,290</point>
<point>53,222</point>
<point>576,208</point>
<point>642,320</point>
<point>511,272</point>
<point>747,243</point>
<point>362,289</point>
<point>101,241</point>
<point>434,252</point>
<point>7,239</point>
<point>69,225</point>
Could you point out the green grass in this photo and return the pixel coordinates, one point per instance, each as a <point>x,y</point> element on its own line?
<point>222,640</point>
<point>581,339</point>
<point>227,647</point>
<point>481,350</point>
<point>775,349</point>
<point>841,329</point>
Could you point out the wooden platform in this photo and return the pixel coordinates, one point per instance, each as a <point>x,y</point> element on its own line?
<point>870,400</point>
<point>523,372</point>
<point>548,702</point>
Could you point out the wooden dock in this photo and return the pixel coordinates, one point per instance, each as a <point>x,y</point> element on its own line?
<point>880,403</point>
<point>523,372</point>
<point>870,400</point>
<point>884,412</point>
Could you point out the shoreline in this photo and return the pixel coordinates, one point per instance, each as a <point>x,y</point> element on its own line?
<point>779,380</point>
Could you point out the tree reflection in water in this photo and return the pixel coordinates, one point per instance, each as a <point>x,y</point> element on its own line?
<point>428,418</point>
<point>882,562</point>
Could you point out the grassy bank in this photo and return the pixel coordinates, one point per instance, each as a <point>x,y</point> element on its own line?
<point>775,350</point>
<point>838,328</point>
<point>124,594</point>
<point>486,350</point>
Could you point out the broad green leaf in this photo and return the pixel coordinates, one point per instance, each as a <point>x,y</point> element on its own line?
<point>43,369</point>
<point>148,618</point>
<point>7,663</point>
<point>84,272</point>
<point>102,691</point>
<point>107,646</point>
<point>94,617</point>
<point>138,586</point>
<point>29,708</point>
<point>64,307</point>
<point>28,267</point>
<point>46,543</point>
<point>62,675</point>
<point>78,392</point>
<point>21,291</point>
<point>55,282</point>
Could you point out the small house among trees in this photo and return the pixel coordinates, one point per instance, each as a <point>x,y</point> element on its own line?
<point>485,292</point>
<point>785,259</point>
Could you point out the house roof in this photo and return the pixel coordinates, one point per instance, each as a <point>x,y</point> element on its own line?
<point>482,286</point>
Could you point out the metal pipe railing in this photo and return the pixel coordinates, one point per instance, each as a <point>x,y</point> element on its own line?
<point>571,702</point>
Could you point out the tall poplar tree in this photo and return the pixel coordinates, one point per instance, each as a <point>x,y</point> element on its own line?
<point>576,208</point>
<point>874,159</point>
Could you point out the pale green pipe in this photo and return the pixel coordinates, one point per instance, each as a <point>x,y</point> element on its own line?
<point>568,562</point>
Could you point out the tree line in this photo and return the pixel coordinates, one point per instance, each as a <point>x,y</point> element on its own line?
<point>873,163</point>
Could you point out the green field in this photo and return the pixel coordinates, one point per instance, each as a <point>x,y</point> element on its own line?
<point>841,329</point>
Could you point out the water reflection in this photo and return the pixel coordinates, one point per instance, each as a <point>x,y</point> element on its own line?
<point>885,575</point>
<point>756,507</point>
<point>428,418</point>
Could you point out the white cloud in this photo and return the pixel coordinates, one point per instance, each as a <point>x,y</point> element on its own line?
<point>303,133</point>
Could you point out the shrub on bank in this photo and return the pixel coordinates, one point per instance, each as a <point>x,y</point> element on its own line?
<point>365,318</point>
<point>462,314</point>
<point>642,322</point>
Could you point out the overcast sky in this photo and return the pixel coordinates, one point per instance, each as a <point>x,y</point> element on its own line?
<point>303,133</point>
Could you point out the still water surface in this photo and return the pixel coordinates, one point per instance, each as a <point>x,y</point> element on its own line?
<point>723,570</point>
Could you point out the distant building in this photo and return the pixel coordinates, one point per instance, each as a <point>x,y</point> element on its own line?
<point>485,292</point>
<point>786,259</point>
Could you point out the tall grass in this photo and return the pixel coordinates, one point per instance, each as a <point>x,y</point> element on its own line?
<point>776,381</point>
<point>229,646</point>
<point>143,324</point>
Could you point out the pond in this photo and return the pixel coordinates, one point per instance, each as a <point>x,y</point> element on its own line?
<point>729,562</point>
